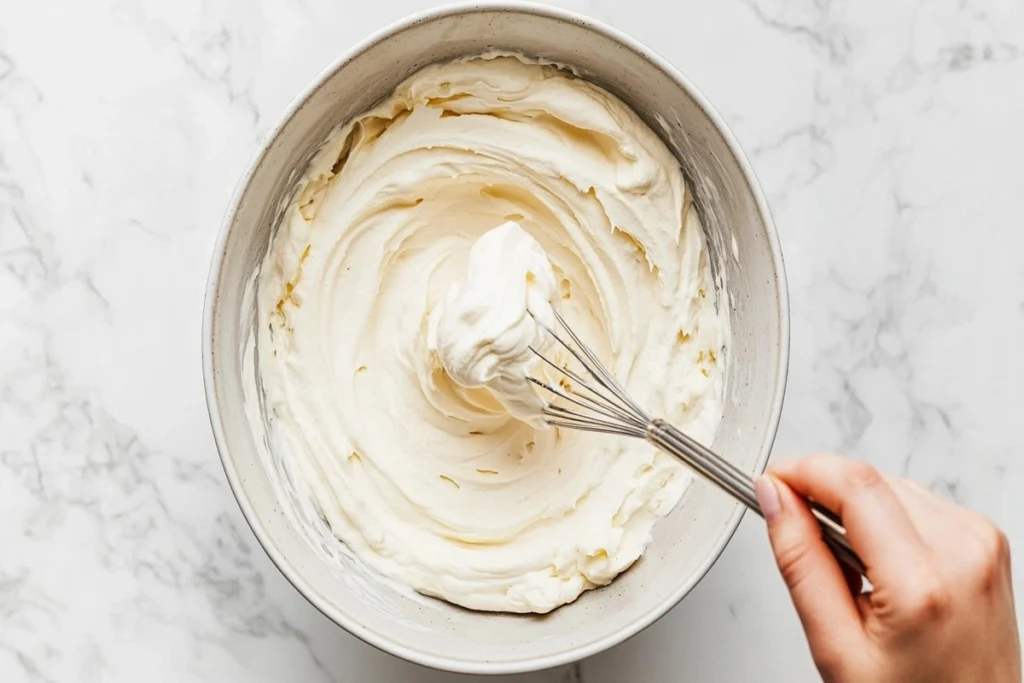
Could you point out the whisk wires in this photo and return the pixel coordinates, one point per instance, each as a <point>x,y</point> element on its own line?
<point>600,404</point>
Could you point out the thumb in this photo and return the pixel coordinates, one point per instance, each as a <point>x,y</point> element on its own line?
<point>815,580</point>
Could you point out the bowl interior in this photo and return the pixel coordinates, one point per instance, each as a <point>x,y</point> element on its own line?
<point>743,244</point>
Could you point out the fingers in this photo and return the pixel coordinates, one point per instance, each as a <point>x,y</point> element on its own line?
<point>930,515</point>
<point>877,524</point>
<point>815,580</point>
<point>946,529</point>
<point>973,549</point>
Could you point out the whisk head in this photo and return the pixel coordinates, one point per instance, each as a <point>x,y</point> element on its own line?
<point>597,404</point>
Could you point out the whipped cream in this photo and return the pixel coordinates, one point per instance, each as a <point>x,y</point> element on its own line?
<point>484,328</point>
<point>394,327</point>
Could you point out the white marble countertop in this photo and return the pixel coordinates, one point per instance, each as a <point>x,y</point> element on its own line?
<point>886,133</point>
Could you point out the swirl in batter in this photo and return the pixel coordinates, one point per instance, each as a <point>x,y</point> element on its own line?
<point>390,348</point>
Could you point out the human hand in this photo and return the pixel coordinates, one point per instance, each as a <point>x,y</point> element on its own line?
<point>941,606</point>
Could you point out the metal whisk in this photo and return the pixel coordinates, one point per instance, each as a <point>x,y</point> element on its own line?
<point>600,404</point>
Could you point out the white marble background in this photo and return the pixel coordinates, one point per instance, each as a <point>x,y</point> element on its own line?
<point>888,136</point>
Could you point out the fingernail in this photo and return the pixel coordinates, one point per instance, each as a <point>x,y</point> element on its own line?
<point>768,498</point>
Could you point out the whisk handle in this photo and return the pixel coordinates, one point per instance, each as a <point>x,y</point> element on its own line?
<point>740,486</point>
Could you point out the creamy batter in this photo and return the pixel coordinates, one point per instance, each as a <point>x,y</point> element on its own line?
<point>483,330</point>
<point>394,324</point>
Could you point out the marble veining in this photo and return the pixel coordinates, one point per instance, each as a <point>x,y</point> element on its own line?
<point>885,133</point>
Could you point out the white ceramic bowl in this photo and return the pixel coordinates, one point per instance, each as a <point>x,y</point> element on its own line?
<point>744,244</point>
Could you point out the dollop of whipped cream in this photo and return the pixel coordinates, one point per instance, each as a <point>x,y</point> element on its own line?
<point>393,322</point>
<point>484,328</point>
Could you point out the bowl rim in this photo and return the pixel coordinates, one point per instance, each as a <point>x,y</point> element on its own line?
<point>383,641</point>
